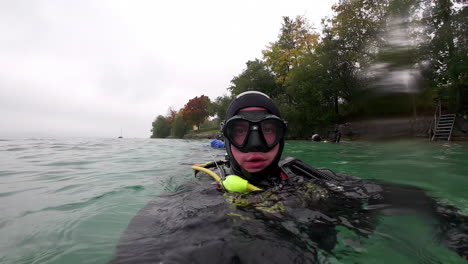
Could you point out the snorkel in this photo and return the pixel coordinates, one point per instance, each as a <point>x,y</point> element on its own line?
<point>255,139</point>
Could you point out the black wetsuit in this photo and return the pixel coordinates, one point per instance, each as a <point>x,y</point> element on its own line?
<point>293,221</point>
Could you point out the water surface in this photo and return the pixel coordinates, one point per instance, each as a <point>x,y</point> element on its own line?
<point>69,200</point>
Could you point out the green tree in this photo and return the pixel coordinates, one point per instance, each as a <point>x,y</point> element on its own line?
<point>196,110</point>
<point>295,42</point>
<point>310,105</point>
<point>354,69</point>
<point>256,77</point>
<point>294,64</point>
<point>220,105</point>
<point>170,116</point>
<point>447,52</point>
<point>179,126</point>
<point>351,40</point>
<point>160,127</point>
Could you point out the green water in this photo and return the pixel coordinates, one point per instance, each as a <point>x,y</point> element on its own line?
<point>69,200</point>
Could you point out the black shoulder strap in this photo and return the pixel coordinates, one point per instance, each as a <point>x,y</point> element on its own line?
<point>346,184</point>
<point>291,166</point>
<point>214,164</point>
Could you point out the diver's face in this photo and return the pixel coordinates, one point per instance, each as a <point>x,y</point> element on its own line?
<point>254,161</point>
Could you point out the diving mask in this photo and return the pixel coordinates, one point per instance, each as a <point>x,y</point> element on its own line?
<point>254,131</point>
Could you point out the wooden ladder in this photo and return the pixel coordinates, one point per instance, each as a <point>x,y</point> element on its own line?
<point>444,127</point>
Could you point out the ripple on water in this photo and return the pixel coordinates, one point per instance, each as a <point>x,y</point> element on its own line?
<point>6,194</point>
<point>68,187</point>
<point>88,202</point>
<point>69,163</point>
<point>51,240</point>
<point>10,173</point>
<point>91,189</point>
<point>16,149</point>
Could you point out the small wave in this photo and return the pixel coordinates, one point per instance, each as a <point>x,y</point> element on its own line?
<point>27,157</point>
<point>146,171</point>
<point>134,188</point>
<point>68,163</point>
<point>2,225</point>
<point>16,149</point>
<point>79,205</point>
<point>5,194</point>
<point>10,173</point>
<point>69,187</point>
<point>99,145</point>
<point>79,148</point>
<point>53,145</point>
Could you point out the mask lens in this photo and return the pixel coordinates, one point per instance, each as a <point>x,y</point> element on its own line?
<point>272,131</point>
<point>238,131</point>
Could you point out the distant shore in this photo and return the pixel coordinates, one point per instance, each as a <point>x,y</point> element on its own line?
<point>377,129</point>
<point>202,135</point>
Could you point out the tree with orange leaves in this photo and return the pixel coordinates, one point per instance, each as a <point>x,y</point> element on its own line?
<point>196,110</point>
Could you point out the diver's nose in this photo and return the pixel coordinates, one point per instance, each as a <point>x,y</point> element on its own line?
<point>255,143</point>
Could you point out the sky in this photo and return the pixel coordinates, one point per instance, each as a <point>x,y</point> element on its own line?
<point>96,68</point>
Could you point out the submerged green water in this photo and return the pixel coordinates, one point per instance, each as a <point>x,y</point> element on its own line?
<point>69,200</point>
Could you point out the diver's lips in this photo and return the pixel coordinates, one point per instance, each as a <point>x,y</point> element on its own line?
<point>255,163</point>
<point>256,159</point>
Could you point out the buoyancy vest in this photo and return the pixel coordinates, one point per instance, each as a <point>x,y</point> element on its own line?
<point>294,171</point>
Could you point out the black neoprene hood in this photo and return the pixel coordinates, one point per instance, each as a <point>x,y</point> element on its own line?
<point>252,99</point>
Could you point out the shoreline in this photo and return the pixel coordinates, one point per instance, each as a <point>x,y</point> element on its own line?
<point>377,130</point>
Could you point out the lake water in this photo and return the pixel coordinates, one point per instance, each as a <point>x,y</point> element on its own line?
<point>69,200</point>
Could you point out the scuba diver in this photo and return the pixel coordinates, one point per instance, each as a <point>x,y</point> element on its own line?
<point>255,207</point>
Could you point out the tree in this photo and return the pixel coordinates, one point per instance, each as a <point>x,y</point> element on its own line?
<point>447,52</point>
<point>296,41</point>
<point>351,40</point>
<point>220,106</point>
<point>196,110</point>
<point>170,116</point>
<point>179,126</point>
<point>160,127</point>
<point>311,104</point>
<point>256,77</point>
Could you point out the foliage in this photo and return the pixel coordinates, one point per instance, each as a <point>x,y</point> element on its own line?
<point>170,116</point>
<point>196,110</point>
<point>447,52</point>
<point>179,126</point>
<point>351,40</point>
<point>220,105</point>
<point>372,58</point>
<point>210,125</point>
<point>256,77</point>
<point>296,41</point>
<point>160,127</point>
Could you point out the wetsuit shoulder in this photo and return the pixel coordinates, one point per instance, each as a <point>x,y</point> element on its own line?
<point>294,167</point>
<point>345,184</point>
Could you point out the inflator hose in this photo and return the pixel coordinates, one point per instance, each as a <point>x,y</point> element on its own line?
<point>250,187</point>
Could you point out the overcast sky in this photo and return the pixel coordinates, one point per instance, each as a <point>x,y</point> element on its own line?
<point>92,68</point>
